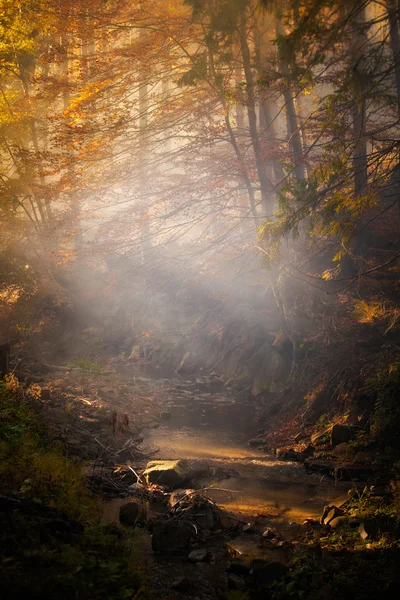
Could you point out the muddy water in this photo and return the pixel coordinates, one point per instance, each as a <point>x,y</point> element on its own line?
<point>257,483</point>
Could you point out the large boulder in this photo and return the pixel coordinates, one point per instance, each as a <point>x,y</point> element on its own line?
<point>171,473</point>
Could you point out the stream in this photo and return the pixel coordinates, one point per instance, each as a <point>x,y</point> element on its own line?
<point>206,423</point>
<point>258,484</point>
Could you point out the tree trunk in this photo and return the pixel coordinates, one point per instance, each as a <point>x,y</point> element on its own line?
<point>293,128</point>
<point>232,137</point>
<point>394,41</point>
<point>144,221</point>
<point>240,133</point>
<point>360,162</point>
<point>360,158</point>
<point>265,185</point>
<point>274,168</point>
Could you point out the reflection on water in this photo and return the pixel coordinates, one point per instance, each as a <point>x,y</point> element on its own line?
<point>264,485</point>
<point>186,442</point>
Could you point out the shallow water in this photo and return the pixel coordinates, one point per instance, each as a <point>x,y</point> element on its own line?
<point>258,483</point>
<point>209,424</point>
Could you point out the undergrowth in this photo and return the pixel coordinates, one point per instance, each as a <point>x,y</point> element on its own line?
<point>385,387</point>
<point>54,544</point>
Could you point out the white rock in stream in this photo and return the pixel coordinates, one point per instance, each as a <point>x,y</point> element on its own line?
<point>171,473</point>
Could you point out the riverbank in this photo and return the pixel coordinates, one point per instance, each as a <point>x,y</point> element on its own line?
<point>254,519</point>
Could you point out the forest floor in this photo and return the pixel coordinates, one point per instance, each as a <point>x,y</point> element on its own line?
<point>254,520</point>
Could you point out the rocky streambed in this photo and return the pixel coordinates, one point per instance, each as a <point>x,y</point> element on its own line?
<point>214,513</point>
<point>211,512</point>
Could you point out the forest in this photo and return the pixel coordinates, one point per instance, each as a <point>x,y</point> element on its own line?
<point>200,299</point>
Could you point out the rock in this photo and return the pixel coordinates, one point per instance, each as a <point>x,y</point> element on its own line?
<point>200,468</point>
<point>256,442</point>
<point>171,473</point>
<point>235,582</point>
<point>316,408</point>
<point>312,524</point>
<point>308,451</point>
<point>179,495</point>
<point>353,472</point>
<point>248,528</point>
<point>330,513</point>
<point>322,467</point>
<point>368,529</point>
<point>343,472</point>
<point>344,451</point>
<point>238,568</point>
<point>182,584</point>
<point>206,517</point>
<point>291,455</point>
<point>242,545</point>
<point>379,491</point>
<point>342,433</point>
<point>199,555</point>
<point>269,534</point>
<point>265,572</point>
<point>227,522</point>
<point>365,458</point>
<point>168,538</point>
<point>345,522</point>
<point>130,513</point>
<point>353,493</point>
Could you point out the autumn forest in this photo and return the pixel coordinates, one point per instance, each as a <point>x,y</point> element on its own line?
<point>199,299</point>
